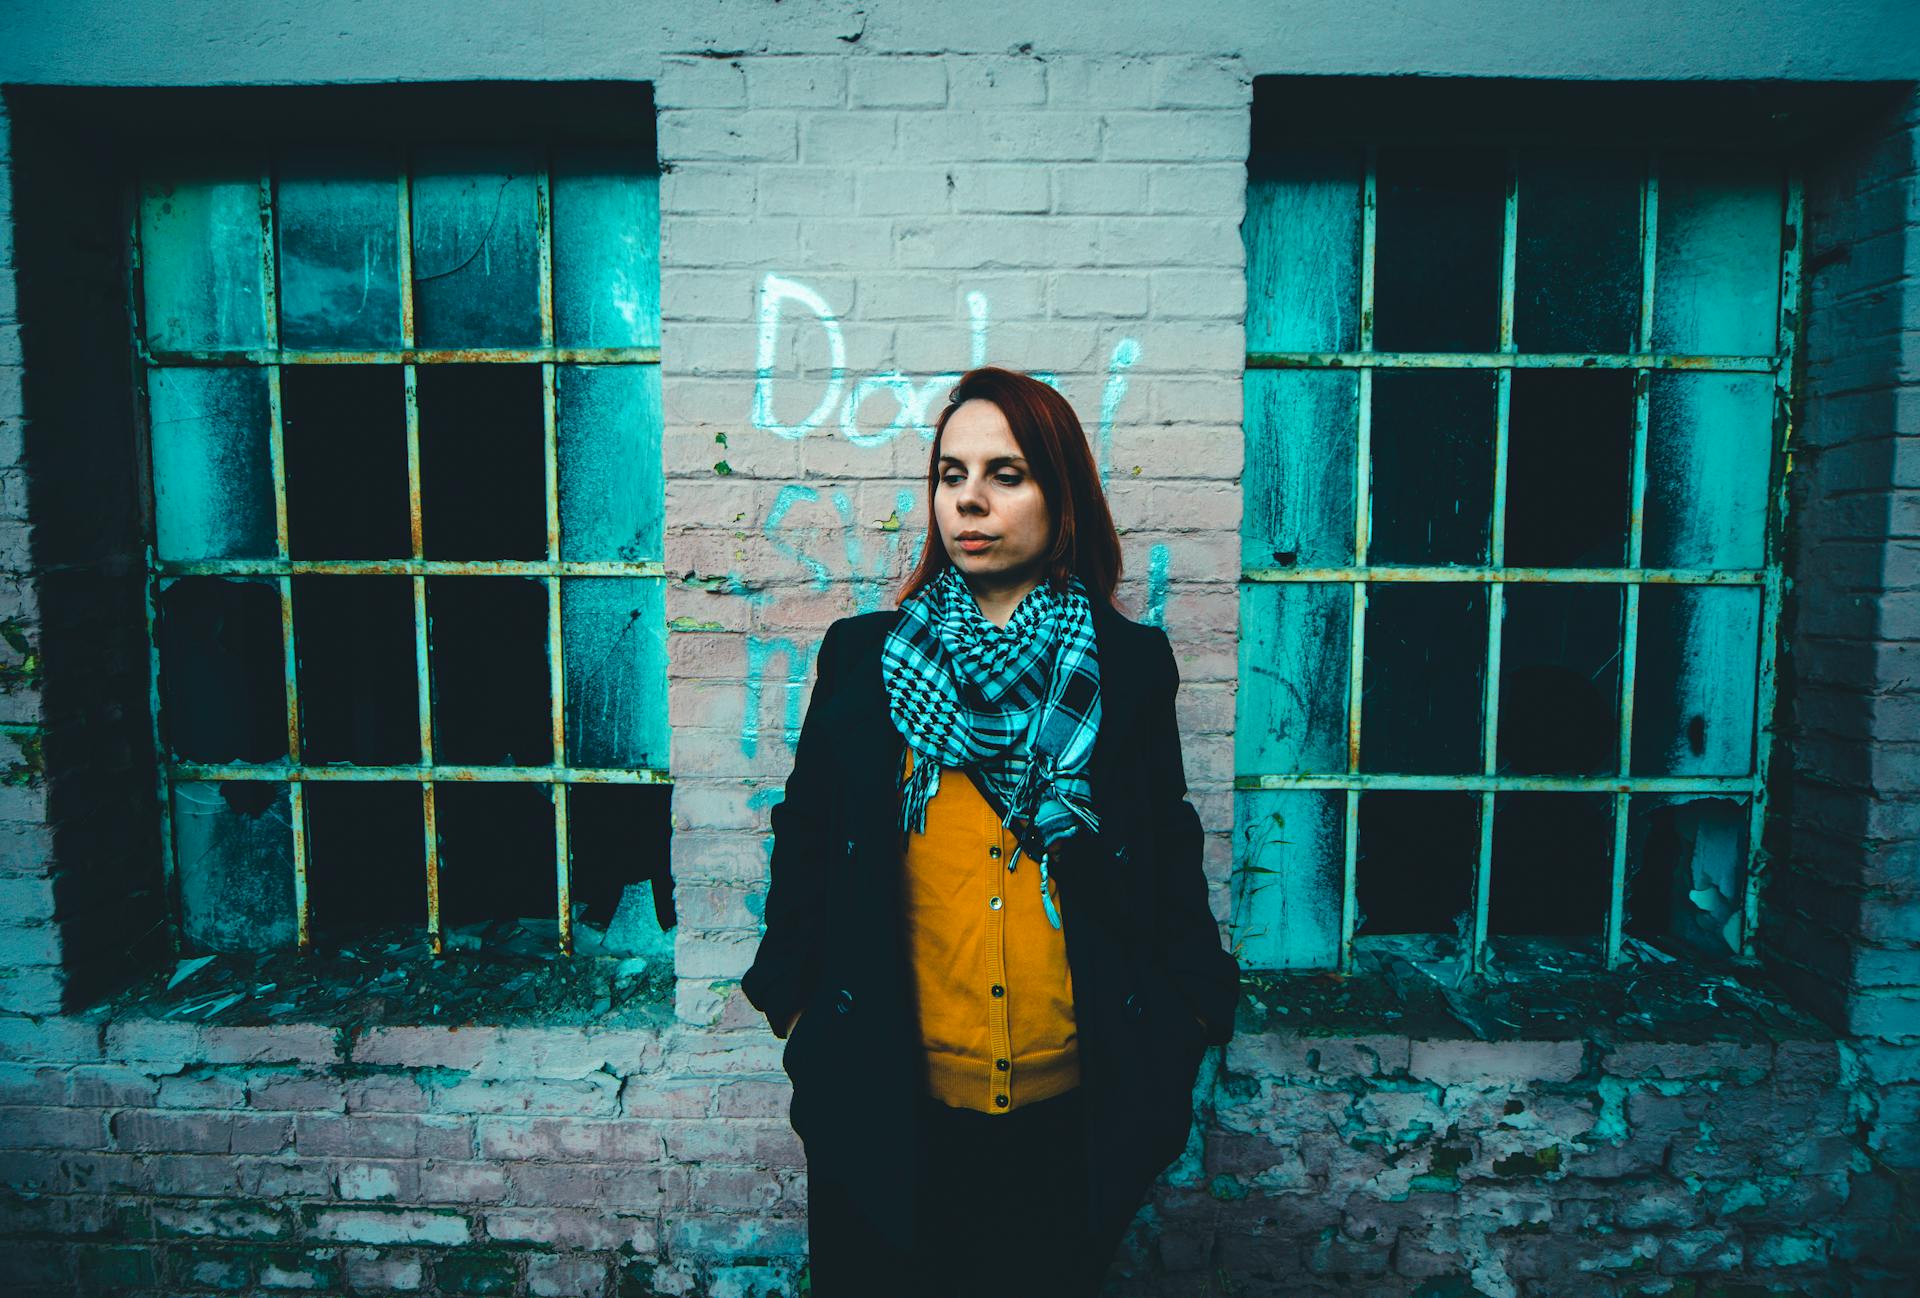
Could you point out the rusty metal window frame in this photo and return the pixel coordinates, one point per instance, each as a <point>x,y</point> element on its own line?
<point>1644,362</point>
<point>551,571</point>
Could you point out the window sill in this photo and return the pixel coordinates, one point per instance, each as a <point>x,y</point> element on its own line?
<point>1684,999</point>
<point>394,979</point>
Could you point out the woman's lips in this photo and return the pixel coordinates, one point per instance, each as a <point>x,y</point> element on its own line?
<point>973,545</point>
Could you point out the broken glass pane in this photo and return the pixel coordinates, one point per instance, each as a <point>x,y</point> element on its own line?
<point>1552,869</point>
<point>476,247</point>
<point>496,855</point>
<point>1294,667</point>
<point>1716,288</point>
<point>1416,860</point>
<point>483,468</point>
<point>622,880</point>
<point>202,256</point>
<point>1432,461</point>
<point>1298,482</point>
<point>1426,652</point>
<point>1302,232</point>
<point>1686,875</point>
<point>615,636</point>
<point>1709,451</point>
<point>1437,258</point>
<point>233,858</point>
<point>1560,680</point>
<point>359,689</point>
<point>337,217</point>
<point>211,431</point>
<point>1577,253</point>
<point>612,485</point>
<point>606,248</point>
<point>1288,892</point>
<point>223,690</point>
<point>487,645</point>
<point>1569,468</point>
<point>344,434</point>
<point>1694,683</point>
<point>366,858</point>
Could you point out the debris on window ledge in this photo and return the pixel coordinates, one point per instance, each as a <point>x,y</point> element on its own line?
<point>1547,990</point>
<point>504,973</point>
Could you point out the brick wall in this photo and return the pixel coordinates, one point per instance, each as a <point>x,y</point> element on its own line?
<point>1078,216</point>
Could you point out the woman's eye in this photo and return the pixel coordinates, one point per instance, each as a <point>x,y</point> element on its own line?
<point>1009,479</point>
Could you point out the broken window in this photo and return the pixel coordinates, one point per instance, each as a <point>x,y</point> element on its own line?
<point>404,418</point>
<point>1515,411</point>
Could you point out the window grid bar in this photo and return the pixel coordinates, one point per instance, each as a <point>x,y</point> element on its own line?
<point>413,567</point>
<point>1791,321</point>
<point>1476,954</point>
<point>1367,360</point>
<point>416,532</point>
<point>556,650</point>
<point>163,777</point>
<point>1615,932</point>
<point>408,355</point>
<point>1362,542</point>
<point>552,774</point>
<point>282,541</point>
<point>1448,574</point>
<point>1740,785</point>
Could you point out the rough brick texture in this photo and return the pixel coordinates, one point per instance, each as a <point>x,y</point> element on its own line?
<point>844,231</point>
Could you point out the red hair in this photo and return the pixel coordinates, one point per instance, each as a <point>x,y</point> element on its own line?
<point>1057,454</point>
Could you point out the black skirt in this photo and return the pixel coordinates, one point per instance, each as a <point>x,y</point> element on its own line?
<point>999,1210</point>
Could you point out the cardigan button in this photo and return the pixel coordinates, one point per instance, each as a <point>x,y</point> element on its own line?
<point>1000,1101</point>
<point>843,1003</point>
<point>998,990</point>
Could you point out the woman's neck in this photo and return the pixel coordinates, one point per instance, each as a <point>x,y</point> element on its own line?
<point>997,602</point>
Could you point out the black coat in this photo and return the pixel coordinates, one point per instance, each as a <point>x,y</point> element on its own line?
<point>1142,944</point>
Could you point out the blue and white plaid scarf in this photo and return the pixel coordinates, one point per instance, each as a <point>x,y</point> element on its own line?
<point>1020,703</point>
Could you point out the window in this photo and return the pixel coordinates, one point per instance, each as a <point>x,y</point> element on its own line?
<point>1511,565</point>
<point>406,588</point>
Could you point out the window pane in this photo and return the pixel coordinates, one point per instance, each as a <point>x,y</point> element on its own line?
<point>1552,869</point>
<point>476,248</point>
<point>1298,483</point>
<point>483,468</point>
<point>612,484</point>
<point>1560,680</point>
<point>1687,879</point>
<point>337,216</point>
<point>1716,287</point>
<point>618,839</point>
<point>1292,849</point>
<point>1709,450</point>
<point>1437,250</point>
<point>606,249</point>
<point>366,859</point>
<point>1414,872</point>
<point>233,857</point>
<point>1695,681</point>
<point>1569,468</point>
<point>1302,232</point>
<point>1426,659</point>
<point>616,648</point>
<point>222,675</point>
<point>1432,461</point>
<point>487,646</point>
<point>344,432</point>
<point>212,463</point>
<point>496,857</point>
<point>1577,255</point>
<point>1295,656</point>
<point>359,689</point>
<point>202,256</point>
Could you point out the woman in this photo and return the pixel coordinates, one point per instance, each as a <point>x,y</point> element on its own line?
<point>988,943</point>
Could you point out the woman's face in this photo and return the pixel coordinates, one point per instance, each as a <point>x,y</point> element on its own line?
<point>992,515</point>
